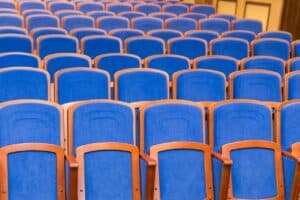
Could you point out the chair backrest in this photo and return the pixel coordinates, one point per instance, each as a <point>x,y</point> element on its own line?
<point>255,26</point>
<point>60,5</point>
<point>277,34</point>
<point>7,4</point>
<point>181,24</point>
<point>86,7</point>
<point>11,20</point>
<point>109,23</point>
<point>114,62</point>
<point>291,86</point>
<point>228,17</point>
<point>8,11</point>
<point>199,85</point>
<point>42,20</point>
<point>176,8</point>
<point>147,8</point>
<point>108,121</point>
<point>12,29</point>
<point>203,34</point>
<point>132,14</point>
<point>147,23</point>
<point>162,15</point>
<point>133,85</point>
<point>28,5</point>
<point>97,14</point>
<point>203,9</point>
<point>37,32</point>
<point>193,15</point>
<point>30,12</point>
<point>118,7</point>
<point>125,33</point>
<point>214,24</point>
<point>255,84</point>
<point>19,59</point>
<point>80,33</point>
<point>296,48</point>
<point>165,34</point>
<point>71,22</point>
<point>15,43</point>
<point>63,13</point>
<point>241,34</point>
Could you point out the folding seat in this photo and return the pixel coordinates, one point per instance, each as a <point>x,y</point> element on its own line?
<point>214,24</point>
<point>147,8</point>
<point>8,11</point>
<point>50,44</point>
<point>15,43</point>
<point>203,9</point>
<point>176,8</point>
<point>80,33</point>
<point>291,86</point>
<point>202,34</point>
<point>189,47</point>
<point>28,5</point>
<point>63,13</point>
<point>7,4</point>
<point>12,29</point>
<point>167,63</point>
<point>59,61</point>
<point>255,84</point>
<point>93,46</point>
<point>165,34</point>
<point>144,46</point>
<point>38,21</point>
<point>119,7</point>
<point>86,7</point>
<point>11,20</point>
<point>248,25</point>
<point>195,16</point>
<point>276,34</point>
<point>271,47</point>
<point>71,22</point>
<point>97,14</point>
<point>30,12</point>
<point>112,22</point>
<point>37,32</point>
<point>132,14</point>
<point>162,15</point>
<point>60,5</point>
<point>296,48</point>
<point>293,64</point>
<point>246,35</point>
<point>23,83</point>
<point>264,62</point>
<point>181,24</point>
<point>19,59</point>
<point>113,62</point>
<point>138,85</point>
<point>233,47</point>
<point>199,85</point>
<point>147,23</point>
<point>230,18</point>
<point>224,64</point>
<point>78,84</point>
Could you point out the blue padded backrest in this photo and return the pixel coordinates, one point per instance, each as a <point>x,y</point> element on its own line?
<point>201,85</point>
<point>22,83</point>
<point>294,64</point>
<point>28,5</point>
<point>238,121</point>
<point>80,33</point>
<point>50,44</point>
<point>189,47</point>
<point>90,6</point>
<point>168,63</point>
<point>72,22</point>
<point>30,121</point>
<point>165,34</point>
<point>64,13</point>
<point>148,8</point>
<point>60,5</point>
<point>7,4</point>
<point>142,85</point>
<point>253,173</point>
<point>11,20</point>
<point>109,23</point>
<point>97,45</point>
<point>181,24</point>
<point>15,43</point>
<point>215,24</point>
<point>233,47</point>
<point>46,31</point>
<point>82,84</point>
<point>230,18</point>
<point>205,35</point>
<point>125,33</point>
<point>203,9</point>
<point>103,122</point>
<point>248,25</point>
<point>272,47</point>
<point>147,23</point>
<point>266,63</point>
<point>8,11</point>
<point>246,35</point>
<point>14,30</point>
<point>117,61</point>
<point>176,9</point>
<point>293,82</point>
<point>43,20</point>
<point>118,7</point>
<point>296,49</point>
<point>27,13</point>
<point>145,46</point>
<point>262,86</point>
<point>195,16</point>
<point>18,59</point>
<point>169,122</point>
<point>277,34</point>
<point>97,14</point>
<point>132,14</point>
<point>162,15</point>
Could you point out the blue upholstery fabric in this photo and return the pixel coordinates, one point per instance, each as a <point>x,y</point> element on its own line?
<point>38,21</point>
<point>294,64</point>
<point>233,47</point>
<point>176,9</point>
<point>126,33</point>
<point>79,33</point>
<point>24,122</point>
<point>28,13</point>
<point>201,85</point>
<point>109,23</point>
<point>118,7</point>
<point>225,16</point>
<point>142,85</point>
<point>296,49</point>
<point>246,35</point>
<point>46,31</point>
<point>203,9</point>
<point>97,45</point>
<point>11,20</point>
<point>60,5</point>
<point>28,5</point>
<point>14,30</point>
<point>248,25</point>
<point>8,11</point>
<point>147,23</point>
<point>7,4</point>
<point>116,62</point>
<point>165,34</point>
<point>103,122</point>
<point>205,35</point>
<point>132,14</point>
<point>195,16</point>
<point>189,47</point>
<point>97,14</point>
<point>278,34</point>
<point>18,59</point>
<point>181,24</point>
<point>63,13</point>
<point>148,8</point>
<point>90,6</point>
<point>15,43</point>
<point>215,24</point>
<point>162,15</point>
<point>72,22</point>
<point>288,170</point>
<point>272,47</point>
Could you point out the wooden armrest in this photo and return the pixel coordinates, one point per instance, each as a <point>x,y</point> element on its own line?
<point>225,161</point>
<point>150,162</point>
<point>150,176</point>
<point>73,178</point>
<point>71,160</point>
<point>290,155</point>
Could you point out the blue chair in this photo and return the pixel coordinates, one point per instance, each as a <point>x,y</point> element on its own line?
<point>37,32</point>
<point>255,84</point>
<point>189,47</point>
<point>293,64</point>
<point>15,43</point>
<point>24,83</point>
<point>248,25</point>
<point>264,62</point>
<point>60,5</point>
<point>7,4</point>
<point>291,86</point>
<point>214,24</point>
<point>113,62</point>
<point>80,33</point>
<point>39,21</point>
<point>203,9</point>
<point>86,7</point>
<point>181,24</point>
<point>176,8</point>
<point>199,85</point>
<point>195,16</point>
<point>165,34</point>
<point>277,34</point>
<point>136,85</point>
<point>147,23</point>
<point>147,8</point>
<point>296,48</point>
<point>224,64</point>
<point>162,15</point>
<point>202,34</point>
<point>8,11</point>
<point>28,5</point>
<point>132,14</point>
<point>63,13</point>
<point>112,22</point>
<point>50,44</point>
<point>125,33</point>
<point>167,63</point>
<point>72,22</point>
<point>119,7</point>
<point>233,47</point>
<point>230,18</point>
<point>77,84</point>
<point>97,14</point>
<point>93,46</point>
<point>11,20</point>
<point>30,12</point>
<point>12,29</point>
<point>246,35</point>
<point>59,61</point>
<point>19,59</point>
<point>271,47</point>
<point>144,46</point>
